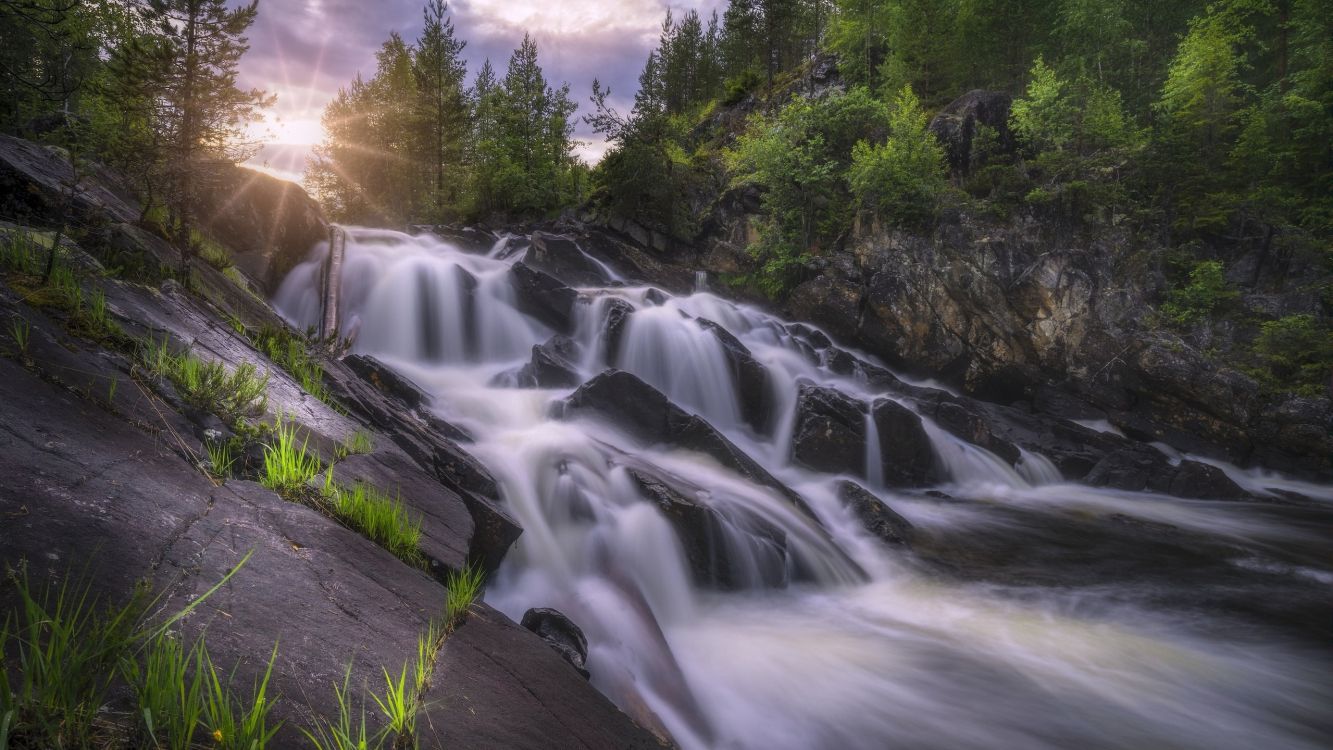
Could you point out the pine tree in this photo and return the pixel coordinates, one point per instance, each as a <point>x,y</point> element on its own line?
<point>441,107</point>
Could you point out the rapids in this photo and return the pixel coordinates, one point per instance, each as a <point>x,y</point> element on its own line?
<point>1029,613</point>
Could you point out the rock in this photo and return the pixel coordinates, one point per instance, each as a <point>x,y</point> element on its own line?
<point>966,420</point>
<point>1132,468</point>
<point>561,634</point>
<point>269,224</point>
<point>752,380</point>
<point>387,381</point>
<point>905,448</point>
<point>618,312</point>
<point>722,553</point>
<point>830,432</point>
<point>33,187</point>
<point>468,238</point>
<point>543,297</point>
<point>561,256</point>
<point>553,365</point>
<point>956,125</point>
<point>1194,479</point>
<point>877,518</point>
<point>507,688</point>
<point>645,414</point>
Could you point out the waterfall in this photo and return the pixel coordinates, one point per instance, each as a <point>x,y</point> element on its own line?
<point>777,626</point>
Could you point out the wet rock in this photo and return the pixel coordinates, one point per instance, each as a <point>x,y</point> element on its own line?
<point>468,238</point>
<point>553,365</point>
<point>967,420</point>
<point>830,432</point>
<point>561,256</point>
<point>561,634</point>
<point>646,414</point>
<point>751,378</point>
<point>905,448</point>
<point>387,381</point>
<point>543,297</point>
<point>722,553</point>
<point>1132,468</point>
<point>956,125</point>
<point>877,518</point>
<point>504,687</point>
<point>1197,480</point>
<point>618,313</point>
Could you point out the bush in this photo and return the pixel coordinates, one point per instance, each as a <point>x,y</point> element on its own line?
<point>1206,292</point>
<point>1298,353</point>
<point>903,177</point>
<point>207,385</point>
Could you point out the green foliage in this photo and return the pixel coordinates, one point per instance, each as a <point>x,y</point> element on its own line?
<point>800,158</point>
<point>238,722</point>
<point>463,587</point>
<point>168,687</point>
<point>288,466</point>
<point>208,385</point>
<point>222,456</point>
<point>346,731</point>
<point>1206,292</point>
<point>399,706</point>
<point>21,331</point>
<point>360,442</point>
<point>1297,353</point>
<point>292,353</point>
<point>1082,116</point>
<point>378,517</point>
<point>902,178</point>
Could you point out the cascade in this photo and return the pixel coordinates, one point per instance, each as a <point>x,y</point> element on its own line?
<point>803,630</point>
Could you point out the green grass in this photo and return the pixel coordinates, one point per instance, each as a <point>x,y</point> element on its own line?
<point>21,253</point>
<point>464,587</point>
<point>347,731</point>
<point>399,706</point>
<point>71,649</point>
<point>288,466</point>
<point>292,353</point>
<point>210,251</point>
<point>360,442</point>
<point>208,385</point>
<point>380,518</point>
<point>168,687</point>
<point>237,722</point>
<point>21,330</point>
<point>221,457</point>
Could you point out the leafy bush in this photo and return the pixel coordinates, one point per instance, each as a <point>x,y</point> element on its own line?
<point>902,177</point>
<point>1206,292</point>
<point>1298,353</point>
<point>800,158</point>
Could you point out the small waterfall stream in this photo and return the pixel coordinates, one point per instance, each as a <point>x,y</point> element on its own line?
<point>1005,626</point>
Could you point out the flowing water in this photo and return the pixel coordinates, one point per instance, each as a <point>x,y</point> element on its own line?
<point>1029,613</point>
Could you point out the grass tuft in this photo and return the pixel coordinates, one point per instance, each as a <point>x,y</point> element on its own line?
<point>288,467</point>
<point>463,588</point>
<point>359,443</point>
<point>208,385</point>
<point>380,518</point>
<point>170,695</point>
<point>234,722</point>
<point>21,330</point>
<point>292,354</point>
<point>346,732</point>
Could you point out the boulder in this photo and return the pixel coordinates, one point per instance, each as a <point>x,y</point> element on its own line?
<point>830,432</point>
<point>554,364</point>
<point>751,378</point>
<point>878,519</point>
<point>1197,480</point>
<point>543,297</point>
<point>622,399</point>
<point>269,224</point>
<point>561,256</point>
<point>956,125</point>
<point>905,448</point>
<point>387,381</point>
<point>561,634</point>
<point>35,182</point>
<point>468,238</point>
<point>618,312</point>
<point>722,554</point>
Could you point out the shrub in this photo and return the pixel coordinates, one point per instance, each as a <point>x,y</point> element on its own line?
<point>1206,292</point>
<point>207,385</point>
<point>903,177</point>
<point>1298,353</point>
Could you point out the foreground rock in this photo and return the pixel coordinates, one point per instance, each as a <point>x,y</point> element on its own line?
<point>561,634</point>
<point>878,519</point>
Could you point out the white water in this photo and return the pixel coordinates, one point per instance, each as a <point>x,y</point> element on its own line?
<point>869,646</point>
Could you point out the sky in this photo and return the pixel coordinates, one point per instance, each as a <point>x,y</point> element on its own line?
<point>304,50</point>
